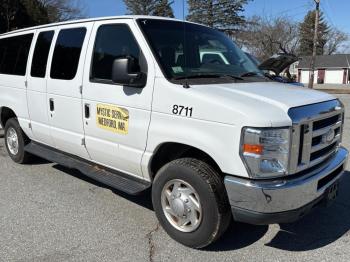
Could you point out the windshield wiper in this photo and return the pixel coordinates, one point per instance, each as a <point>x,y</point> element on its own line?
<point>209,76</point>
<point>248,74</point>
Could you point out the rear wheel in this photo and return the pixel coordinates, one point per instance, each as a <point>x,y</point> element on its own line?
<point>191,203</point>
<point>15,141</point>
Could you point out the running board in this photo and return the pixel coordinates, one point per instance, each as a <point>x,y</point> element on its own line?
<point>114,179</point>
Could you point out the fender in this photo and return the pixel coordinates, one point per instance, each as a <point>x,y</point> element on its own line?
<point>217,140</point>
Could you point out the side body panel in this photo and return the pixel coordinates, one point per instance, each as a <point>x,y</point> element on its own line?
<point>217,139</point>
<point>37,100</point>
<point>66,119</point>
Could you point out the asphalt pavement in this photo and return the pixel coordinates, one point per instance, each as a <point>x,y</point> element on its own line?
<point>50,213</point>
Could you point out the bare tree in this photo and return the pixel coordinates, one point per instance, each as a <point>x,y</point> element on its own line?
<point>265,36</point>
<point>335,42</point>
<point>64,10</point>
<point>8,10</point>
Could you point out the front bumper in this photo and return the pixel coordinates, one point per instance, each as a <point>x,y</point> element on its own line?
<point>282,200</point>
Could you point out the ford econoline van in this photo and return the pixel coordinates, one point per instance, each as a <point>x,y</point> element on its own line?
<point>140,103</point>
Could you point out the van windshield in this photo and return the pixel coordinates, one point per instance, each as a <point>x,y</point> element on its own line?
<point>186,50</point>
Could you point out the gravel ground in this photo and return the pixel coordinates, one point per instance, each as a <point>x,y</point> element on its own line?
<point>50,213</point>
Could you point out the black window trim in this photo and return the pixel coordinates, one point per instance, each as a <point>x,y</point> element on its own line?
<point>86,39</point>
<point>48,62</point>
<point>106,81</point>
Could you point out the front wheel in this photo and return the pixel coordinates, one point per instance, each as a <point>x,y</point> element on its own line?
<point>191,203</point>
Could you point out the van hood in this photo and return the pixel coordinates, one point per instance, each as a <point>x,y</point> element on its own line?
<point>256,103</point>
<point>281,95</point>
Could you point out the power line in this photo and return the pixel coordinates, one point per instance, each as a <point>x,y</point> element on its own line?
<point>291,9</point>
<point>328,17</point>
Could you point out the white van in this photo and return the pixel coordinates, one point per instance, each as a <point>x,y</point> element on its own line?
<point>111,98</point>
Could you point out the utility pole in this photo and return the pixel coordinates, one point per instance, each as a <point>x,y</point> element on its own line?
<point>314,51</point>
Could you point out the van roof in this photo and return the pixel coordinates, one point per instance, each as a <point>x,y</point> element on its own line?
<point>90,20</point>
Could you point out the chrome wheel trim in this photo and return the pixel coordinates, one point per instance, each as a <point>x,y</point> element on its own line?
<point>181,205</point>
<point>12,141</point>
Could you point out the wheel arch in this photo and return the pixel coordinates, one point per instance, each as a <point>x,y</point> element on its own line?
<point>5,114</point>
<point>169,151</point>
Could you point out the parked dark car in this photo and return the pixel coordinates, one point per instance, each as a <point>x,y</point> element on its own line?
<point>275,65</point>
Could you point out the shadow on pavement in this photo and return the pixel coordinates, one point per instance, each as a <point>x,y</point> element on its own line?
<point>143,199</point>
<point>320,228</point>
<point>238,236</point>
<point>35,160</point>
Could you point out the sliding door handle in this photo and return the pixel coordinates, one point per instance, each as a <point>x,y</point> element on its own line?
<point>87,110</point>
<point>52,105</point>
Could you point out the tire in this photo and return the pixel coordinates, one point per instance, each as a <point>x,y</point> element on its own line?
<point>17,154</point>
<point>196,176</point>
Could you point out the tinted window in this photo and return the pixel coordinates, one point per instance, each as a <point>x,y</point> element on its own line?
<point>14,53</point>
<point>41,54</point>
<point>2,50</point>
<point>66,56</point>
<point>112,41</point>
<point>190,50</point>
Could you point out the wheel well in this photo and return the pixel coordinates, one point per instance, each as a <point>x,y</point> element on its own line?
<point>5,114</point>
<point>168,152</point>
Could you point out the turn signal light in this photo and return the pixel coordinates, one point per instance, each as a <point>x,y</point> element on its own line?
<point>253,149</point>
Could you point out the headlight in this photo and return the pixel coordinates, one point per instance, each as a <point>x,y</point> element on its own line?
<point>265,151</point>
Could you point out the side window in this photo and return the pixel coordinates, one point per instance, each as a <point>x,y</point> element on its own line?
<point>14,53</point>
<point>112,41</point>
<point>66,55</point>
<point>41,54</point>
<point>2,51</point>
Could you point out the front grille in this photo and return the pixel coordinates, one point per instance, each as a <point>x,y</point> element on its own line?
<point>325,151</point>
<point>325,122</point>
<point>317,132</point>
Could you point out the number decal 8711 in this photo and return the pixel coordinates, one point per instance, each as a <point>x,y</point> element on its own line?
<point>182,110</point>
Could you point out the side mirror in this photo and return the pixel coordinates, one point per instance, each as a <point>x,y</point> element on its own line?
<point>126,71</point>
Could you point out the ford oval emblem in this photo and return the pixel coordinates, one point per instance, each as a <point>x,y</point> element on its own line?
<point>329,136</point>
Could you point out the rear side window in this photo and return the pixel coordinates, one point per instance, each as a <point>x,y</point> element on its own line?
<point>112,41</point>
<point>66,55</point>
<point>2,51</point>
<point>41,54</point>
<point>14,53</point>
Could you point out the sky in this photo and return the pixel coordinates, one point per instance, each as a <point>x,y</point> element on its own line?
<point>336,12</point>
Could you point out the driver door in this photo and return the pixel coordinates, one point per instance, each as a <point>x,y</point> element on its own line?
<point>116,118</point>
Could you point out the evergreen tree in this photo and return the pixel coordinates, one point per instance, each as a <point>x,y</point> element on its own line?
<point>224,15</point>
<point>149,7</point>
<point>306,34</point>
<point>163,8</point>
<point>136,7</point>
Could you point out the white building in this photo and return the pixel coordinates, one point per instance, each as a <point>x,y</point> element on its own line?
<point>329,69</point>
